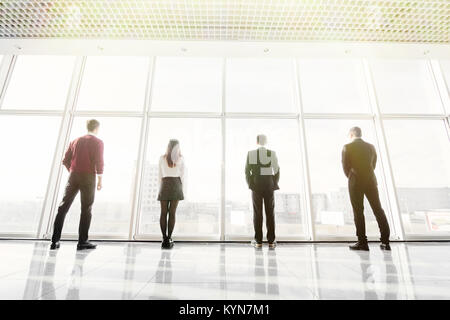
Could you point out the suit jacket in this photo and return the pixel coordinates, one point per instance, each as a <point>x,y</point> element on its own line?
<point>359,160</point>
<point>262,171</point>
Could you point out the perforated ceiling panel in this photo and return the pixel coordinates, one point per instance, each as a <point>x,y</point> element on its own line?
<point>250,20</point>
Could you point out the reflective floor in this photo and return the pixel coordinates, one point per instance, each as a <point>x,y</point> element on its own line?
<point>28,270</point>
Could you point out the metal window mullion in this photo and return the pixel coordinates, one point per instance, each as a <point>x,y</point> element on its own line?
<point>345,116</point>
<point>280,238</point>
<point>180,114</point>
<point>306,192</point>
<point>262,115</point>
<point>178,237</point>
<point>102,113</point>
<point>222,220</point>
<point>219,115</point>
<point>97,236</point>
<point>389,116</point>
<point>64,134</point>
<point>140,167</point>
<point>447,126</point>
<point>17,235</point>
<point>389,181</point>
<point>18,112</point>
<point>6,69</point>
<point>442,235</point>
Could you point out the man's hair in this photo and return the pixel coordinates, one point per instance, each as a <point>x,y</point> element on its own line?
<point>92,125</point>
<point>261,139</point>
<point>356,131</point>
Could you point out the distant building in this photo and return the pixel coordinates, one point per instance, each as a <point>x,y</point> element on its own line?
<point>287,207</point>
<point>414,201</point>
<point>150,188</point>
<point>423,199</point>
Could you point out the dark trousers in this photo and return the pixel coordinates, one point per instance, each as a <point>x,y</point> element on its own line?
<point>258,198</point>
<point>85,183</point>
<point>357,192</point>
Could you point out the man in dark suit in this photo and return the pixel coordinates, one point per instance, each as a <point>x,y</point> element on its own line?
<point>359,159</point>
<point>262,174</point>
<point>84,160</point>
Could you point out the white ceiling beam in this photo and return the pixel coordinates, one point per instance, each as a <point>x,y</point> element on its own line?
<point>309,49</point>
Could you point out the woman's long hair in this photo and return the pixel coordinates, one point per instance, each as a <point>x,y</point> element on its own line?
<point>172,153</point>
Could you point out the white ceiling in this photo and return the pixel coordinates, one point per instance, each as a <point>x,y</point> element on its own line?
<point>415,21</point>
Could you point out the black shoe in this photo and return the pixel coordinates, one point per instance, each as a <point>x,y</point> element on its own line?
<point>385,246</point>
<point>167,243</point>
<point>257,245</point>
<point>86,245</point>
<point>54,245</point>
<point>360,246</point>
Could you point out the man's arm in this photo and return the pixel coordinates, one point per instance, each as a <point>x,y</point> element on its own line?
<point>374,158</point>
<point>183,177</point>
<point>182,171</point>
<point>247,170</point>
<point>67,161</point>
<point>345,162</point>
<point>99,164</point>
<point>275,166</point>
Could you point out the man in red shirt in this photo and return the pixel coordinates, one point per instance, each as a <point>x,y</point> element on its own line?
<point>84,160</point>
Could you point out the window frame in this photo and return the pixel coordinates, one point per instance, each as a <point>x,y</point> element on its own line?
<point>67,115</point>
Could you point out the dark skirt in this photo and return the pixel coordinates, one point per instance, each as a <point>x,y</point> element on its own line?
<point>171,189</point>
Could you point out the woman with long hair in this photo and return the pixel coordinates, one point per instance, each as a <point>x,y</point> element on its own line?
<point>171,178</point>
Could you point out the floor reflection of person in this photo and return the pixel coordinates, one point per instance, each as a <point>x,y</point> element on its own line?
<point>76,276</point>
<point>48,283</point>
<point>131,251</point>
<point>359,160</point>
<point>266,283</point>
<point>368,277</point>
<point>260,274</point>
<point>171,179</point>
<point>371,278</point>
<point>272,286</point>
<point>163,277</point>
<point>391,278</point>
<point>36,268</point>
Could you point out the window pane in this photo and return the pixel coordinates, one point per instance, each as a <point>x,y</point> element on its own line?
<point>333,86</point>
<point>112,207</point>
<point>187,84</point>
<point>24,169</point>
<point>420,155</point>
<point>114,83</point>
<point>39,82</point>
<point>200,144</point>
<point>332,210</point>
<point>260,85</point>
<point>283,138</point>
<point>405,87</point>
